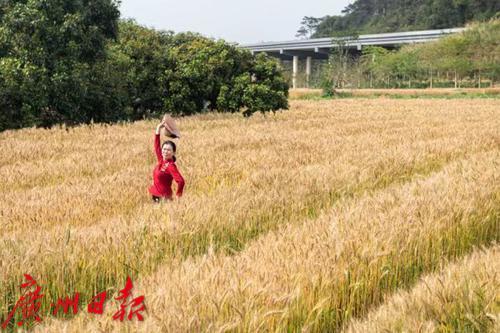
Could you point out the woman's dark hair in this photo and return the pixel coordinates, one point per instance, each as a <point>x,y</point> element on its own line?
<point>172,144</point>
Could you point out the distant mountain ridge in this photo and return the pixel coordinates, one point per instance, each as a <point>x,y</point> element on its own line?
<point>379,16</point>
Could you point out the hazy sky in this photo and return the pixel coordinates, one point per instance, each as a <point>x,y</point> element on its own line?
<point>247,21</point>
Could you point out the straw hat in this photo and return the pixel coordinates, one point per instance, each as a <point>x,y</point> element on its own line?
<point>171,129</point>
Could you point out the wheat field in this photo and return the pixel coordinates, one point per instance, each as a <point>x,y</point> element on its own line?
<point>352,214</point>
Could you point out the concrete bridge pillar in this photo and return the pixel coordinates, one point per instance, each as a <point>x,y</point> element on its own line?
<point>308,70</point>
<point>295,70</point>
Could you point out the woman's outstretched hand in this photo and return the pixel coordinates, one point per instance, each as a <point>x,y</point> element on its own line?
<point>159,127</point>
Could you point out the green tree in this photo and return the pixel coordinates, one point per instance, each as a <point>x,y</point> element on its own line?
<point>372,60</point>
<point>308,25</point>
<point>339,67</point>
<point>141,56</point>
<point>261,88</point>
<point>214,75</point>
<point>51,50</point>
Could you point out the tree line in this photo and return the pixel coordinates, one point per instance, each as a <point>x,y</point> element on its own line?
<point>75,61</point>
<point>379,16</point>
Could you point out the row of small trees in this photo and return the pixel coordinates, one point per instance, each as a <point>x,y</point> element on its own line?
<point>66,61</point>
<point>471,58</point>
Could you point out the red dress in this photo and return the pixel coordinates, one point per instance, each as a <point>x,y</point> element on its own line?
<point>163,174</point>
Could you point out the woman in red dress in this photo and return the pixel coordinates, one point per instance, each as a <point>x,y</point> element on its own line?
<point>166,170</point>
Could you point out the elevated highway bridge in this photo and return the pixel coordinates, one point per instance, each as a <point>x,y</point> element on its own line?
<point>320,48</point>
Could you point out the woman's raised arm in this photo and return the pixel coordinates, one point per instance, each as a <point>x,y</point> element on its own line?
<point>157,143</point>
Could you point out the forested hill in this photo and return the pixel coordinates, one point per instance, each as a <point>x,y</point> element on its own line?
<point>378,16</point>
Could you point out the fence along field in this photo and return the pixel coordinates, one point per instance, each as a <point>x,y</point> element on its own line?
<point>303,219</point>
